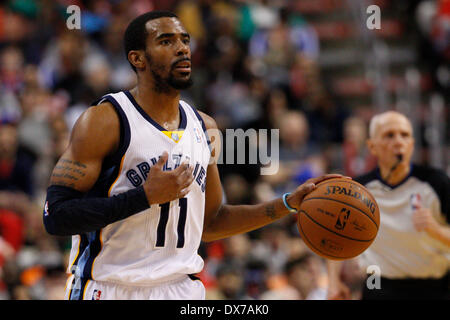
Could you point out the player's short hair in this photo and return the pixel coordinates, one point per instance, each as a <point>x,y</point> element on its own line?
<point>136,33</point>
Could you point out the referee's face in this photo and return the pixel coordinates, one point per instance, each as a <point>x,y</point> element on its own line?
<point>393,137</point>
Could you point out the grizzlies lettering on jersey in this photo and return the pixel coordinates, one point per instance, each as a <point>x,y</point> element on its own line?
<point>138,175</point>
<point>158,244</point>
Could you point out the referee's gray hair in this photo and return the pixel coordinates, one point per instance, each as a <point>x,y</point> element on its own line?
<point>376,120</point>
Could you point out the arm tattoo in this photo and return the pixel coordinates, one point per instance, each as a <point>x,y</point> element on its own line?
<point>67,172</point>
<point>270,211</point>
<point>76,163</point>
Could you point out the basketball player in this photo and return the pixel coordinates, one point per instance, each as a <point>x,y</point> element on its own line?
<point>412,248</point>
<point>136,188</point>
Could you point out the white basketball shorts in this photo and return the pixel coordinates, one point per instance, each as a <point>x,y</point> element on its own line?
<point>184,288</point>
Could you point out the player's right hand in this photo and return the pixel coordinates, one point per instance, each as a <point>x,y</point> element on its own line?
<point>165,186</point>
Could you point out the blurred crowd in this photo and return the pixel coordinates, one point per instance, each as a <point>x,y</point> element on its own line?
<point>255,66</point>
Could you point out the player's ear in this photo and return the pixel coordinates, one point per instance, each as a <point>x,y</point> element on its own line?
<point>136,58</point>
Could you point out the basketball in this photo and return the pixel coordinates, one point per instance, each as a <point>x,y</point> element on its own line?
<point>339,219</point>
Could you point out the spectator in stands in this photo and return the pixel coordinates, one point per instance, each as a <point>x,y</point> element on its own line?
<point>355,156</point>
<point>229,285</point>
<point>16,164</point>
<point>304,280</point>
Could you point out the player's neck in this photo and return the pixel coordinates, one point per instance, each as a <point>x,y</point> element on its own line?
<point>161,107</point>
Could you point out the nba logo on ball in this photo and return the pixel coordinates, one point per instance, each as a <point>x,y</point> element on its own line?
<point>342,219</point>
<point>332,230</point>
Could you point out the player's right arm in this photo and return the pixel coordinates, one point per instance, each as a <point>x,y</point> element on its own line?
<point>95,136</point>
<point>337,290</point>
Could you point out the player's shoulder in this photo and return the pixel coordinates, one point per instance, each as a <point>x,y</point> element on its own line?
<point>96,120</point>
<point>89,130</point>
<point>209,121</point>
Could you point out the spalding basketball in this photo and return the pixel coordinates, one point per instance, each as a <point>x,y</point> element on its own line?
<point>339,219</point>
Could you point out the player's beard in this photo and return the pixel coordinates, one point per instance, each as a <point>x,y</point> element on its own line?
<point>167,84</point>
<point>180,84</point>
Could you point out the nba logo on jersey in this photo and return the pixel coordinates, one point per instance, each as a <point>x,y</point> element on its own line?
<point>416,201</point>
<point>197,135</point>
<point>96,295</point>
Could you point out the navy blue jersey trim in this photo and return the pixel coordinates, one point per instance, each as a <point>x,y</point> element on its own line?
<point>125,133</point>
<point>95,247</point>
<point>111,163</point>
<point>88,255</point>
<point>183,119</point>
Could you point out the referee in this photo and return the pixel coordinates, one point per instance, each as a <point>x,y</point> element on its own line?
<point>412,248</point>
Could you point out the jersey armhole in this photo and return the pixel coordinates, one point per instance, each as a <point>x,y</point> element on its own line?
<point>125,135</point>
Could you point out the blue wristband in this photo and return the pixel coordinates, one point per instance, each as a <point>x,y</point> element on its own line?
<point>286,204</point>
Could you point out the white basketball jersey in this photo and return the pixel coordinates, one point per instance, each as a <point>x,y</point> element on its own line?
<point>158,244</point>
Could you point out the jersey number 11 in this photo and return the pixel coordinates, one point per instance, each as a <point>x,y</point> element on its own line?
<point>164,218</point>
